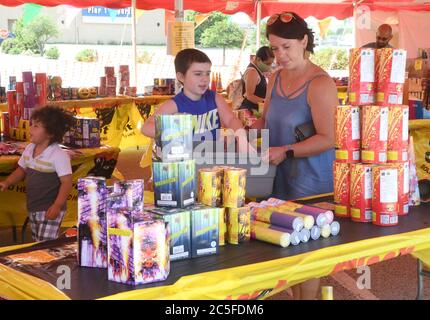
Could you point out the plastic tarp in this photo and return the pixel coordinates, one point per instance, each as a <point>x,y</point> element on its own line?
<point>340,9</point>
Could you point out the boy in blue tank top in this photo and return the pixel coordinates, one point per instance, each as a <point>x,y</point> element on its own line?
<point>209,110</point>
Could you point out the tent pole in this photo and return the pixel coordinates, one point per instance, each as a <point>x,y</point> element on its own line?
<point>179,10</point>
<point>133,41</point>
<point>258,40</point>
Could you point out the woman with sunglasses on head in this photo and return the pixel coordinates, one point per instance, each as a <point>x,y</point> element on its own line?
<point>255,83</point>
<point>301,97</point>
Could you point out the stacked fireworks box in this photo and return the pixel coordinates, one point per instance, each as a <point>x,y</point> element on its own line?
<point>225,188</point>
<point>173,166</point>
<point>194,227</point>
<point>283,223</point>
<point>107,85</point>
<point>115,232</point>
<point>138,241</point>
<point>371,171</point>
<point>92,228</point>
<point>27,95</point>
<point>124,80</point>
<point>85,134</point>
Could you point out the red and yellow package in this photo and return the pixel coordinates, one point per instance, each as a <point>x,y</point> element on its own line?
<point>390,66</point>
<point>398,133</point>
<point>347,134</point>
<point>341,188</point>
<point>361,192</point>
<point>361,76</point>
<point>385,205</point>
<point>374,134</point>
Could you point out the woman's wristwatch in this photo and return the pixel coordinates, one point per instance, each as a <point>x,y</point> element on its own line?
<point>289,153</point>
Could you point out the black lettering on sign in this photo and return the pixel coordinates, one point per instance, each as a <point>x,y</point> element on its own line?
<point>427,156</point>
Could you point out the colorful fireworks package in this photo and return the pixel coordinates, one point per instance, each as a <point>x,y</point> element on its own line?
<point>347,134</point>
<point>361,192</point>
<point>361,76</point>
<point>174,183</point>
<point>204,231</point>
<point>385,201</point>
<point>390,68</point>
<point>374,134</point>
<point>342,181</point>
<point>92,229</point>
<point>174,137</point>
<point>398,133</point>
<point>179,229</point>
<point>85,134</point>
<point>133,191</point>
<point>210,184</point>
<point>238,225</point>
<point>403,186</point>
<point>222,226</point>
<point>234,188</point>
<point>138,247</point>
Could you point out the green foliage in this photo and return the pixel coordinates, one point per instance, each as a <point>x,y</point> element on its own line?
<point>208,23</point>
<point>223,34</point>
<point>33,36</point>
<point>253,39</point>
<point>39,31</point>
<point>52,53</point>
<point>331,58</point>
<point>145,57</point>
<point>11,46</point>
<point>87,55</point>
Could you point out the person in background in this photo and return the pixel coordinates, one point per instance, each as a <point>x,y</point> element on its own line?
<point>255,83</point>
<point>47,171</point>
<point>301,93</point>
<point>384,34</point>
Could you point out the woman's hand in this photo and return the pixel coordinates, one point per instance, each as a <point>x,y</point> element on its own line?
<point>277,155</point>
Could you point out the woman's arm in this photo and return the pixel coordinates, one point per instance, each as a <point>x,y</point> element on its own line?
<point>322,98</point>
<point>148,128</point>
<point>228,118</point>
<point>252,79</point>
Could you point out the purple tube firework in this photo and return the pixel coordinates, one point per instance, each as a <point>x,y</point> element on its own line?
<point>281,219</point>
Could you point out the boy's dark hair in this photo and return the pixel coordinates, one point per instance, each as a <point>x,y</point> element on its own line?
<point>264,53</point>
<point>295,29</point>
<point>55,120</point>
<point>186,57</point>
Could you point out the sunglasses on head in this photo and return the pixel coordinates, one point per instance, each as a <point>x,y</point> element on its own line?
<point>284,17</point>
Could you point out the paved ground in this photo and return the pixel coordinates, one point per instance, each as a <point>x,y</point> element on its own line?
<point>391,280</point>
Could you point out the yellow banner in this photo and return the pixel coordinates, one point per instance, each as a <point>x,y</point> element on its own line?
<point>420,131</point>
<point>254,281</point>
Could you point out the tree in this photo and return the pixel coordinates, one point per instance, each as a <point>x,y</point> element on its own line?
<point>34,36</point>
<point>223,34</point>
<point>263,38</point>
<point>213,18</point>
<point>39,31</point>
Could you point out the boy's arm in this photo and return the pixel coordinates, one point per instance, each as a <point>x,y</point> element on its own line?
<point>230,121</point>
<point>65,189</point>
<point>168,107</point>
<point>15,177</point>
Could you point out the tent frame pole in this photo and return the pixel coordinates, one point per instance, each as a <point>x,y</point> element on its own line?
<point>258,21</point>
<point>133,41</point>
